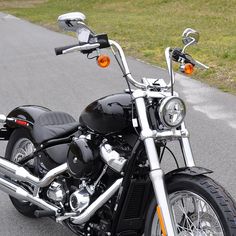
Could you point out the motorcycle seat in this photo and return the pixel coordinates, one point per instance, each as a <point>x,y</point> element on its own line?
<point>52,125</point>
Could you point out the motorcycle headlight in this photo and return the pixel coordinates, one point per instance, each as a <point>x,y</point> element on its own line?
<point>172,111</point>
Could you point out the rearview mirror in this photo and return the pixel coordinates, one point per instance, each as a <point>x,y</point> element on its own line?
<point>190,36</point>
<point>71,21</point>
<point>75,22</point>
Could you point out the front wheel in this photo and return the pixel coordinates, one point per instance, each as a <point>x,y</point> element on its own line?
<point>200,206</point>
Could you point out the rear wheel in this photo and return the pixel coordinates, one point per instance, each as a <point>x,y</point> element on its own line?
<point>19,145</point>
<point>200,206</point>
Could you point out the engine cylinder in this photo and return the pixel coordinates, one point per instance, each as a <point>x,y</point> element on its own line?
<point>56,192</point>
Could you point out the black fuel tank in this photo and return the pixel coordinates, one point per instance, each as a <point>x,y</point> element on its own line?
<point>110,114</point>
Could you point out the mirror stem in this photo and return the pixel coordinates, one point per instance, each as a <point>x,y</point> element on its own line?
<point>190,43</point>
<point>171,75</point>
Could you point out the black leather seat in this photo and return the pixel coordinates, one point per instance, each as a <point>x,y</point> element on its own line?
<point>51,125</point>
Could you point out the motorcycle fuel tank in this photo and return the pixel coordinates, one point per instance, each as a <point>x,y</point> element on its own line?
<point>110,114</point>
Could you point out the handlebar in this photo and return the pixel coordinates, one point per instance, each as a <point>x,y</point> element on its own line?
<point>59,50</point>
<point>76,47</point>
<point>95,41</point>
<point>201,65</point>
<point>89,47</point>
<point>168,57</point>
<point>170,54</point>
<point>125,66</point>
<point>178,55</point>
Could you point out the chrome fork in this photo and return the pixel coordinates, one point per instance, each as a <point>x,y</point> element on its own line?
<point>188,156</point>
<point>156,173</point>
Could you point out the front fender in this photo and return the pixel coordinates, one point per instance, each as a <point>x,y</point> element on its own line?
<point>192,171</point>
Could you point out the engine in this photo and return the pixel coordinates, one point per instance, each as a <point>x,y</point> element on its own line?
<point>86,154</point>
<point>92,169</point>
<point>76,199</point>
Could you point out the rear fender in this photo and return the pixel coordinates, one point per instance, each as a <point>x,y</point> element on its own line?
<point>31,113</point>
<point>26,112</point>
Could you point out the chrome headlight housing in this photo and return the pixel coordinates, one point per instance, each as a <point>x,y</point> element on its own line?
<point>172,111</point>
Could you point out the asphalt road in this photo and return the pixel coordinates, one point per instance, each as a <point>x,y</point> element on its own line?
<point>30,73</point>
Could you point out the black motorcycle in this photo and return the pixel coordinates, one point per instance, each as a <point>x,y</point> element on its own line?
<point>102,175</point>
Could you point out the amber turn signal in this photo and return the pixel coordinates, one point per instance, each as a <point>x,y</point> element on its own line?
<point>188,68</point>
<point>103,61</point>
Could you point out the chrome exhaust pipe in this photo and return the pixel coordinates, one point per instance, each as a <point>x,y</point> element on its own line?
<point>17,172</point>
<point>51,175</point>
<point>16,191</point>
<point>101,200</point>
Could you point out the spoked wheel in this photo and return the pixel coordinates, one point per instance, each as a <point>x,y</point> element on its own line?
<point>22,148</point>
<point>20,145</point>
<point>200,207</point>
<point>196,216</point>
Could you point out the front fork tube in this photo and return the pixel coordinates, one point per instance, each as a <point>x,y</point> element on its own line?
<point>157,178</point>
<point>187,151</point>
<point>156,173</point>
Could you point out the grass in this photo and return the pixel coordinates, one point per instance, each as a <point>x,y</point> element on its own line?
<point>145,28</point>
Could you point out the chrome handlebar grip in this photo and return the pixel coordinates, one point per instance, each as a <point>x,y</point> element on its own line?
<point>84,47</point>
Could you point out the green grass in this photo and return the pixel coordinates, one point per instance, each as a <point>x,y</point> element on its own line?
<point>145,28</point>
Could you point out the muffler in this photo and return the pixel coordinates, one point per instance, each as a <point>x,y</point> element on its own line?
<point>17,172</point>
<point>16,191</point>
<point>11,172</point>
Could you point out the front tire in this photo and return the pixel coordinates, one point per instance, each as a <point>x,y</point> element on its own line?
<point>200,207</point>
<point>19,145</point>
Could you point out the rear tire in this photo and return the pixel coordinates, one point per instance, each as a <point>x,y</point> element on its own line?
<point>19,145</point>
<point>200,207</point>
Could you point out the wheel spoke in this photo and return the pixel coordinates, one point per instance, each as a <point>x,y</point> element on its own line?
<point>193,216</point>
<point>21,149</point>
<point>186,217</point>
